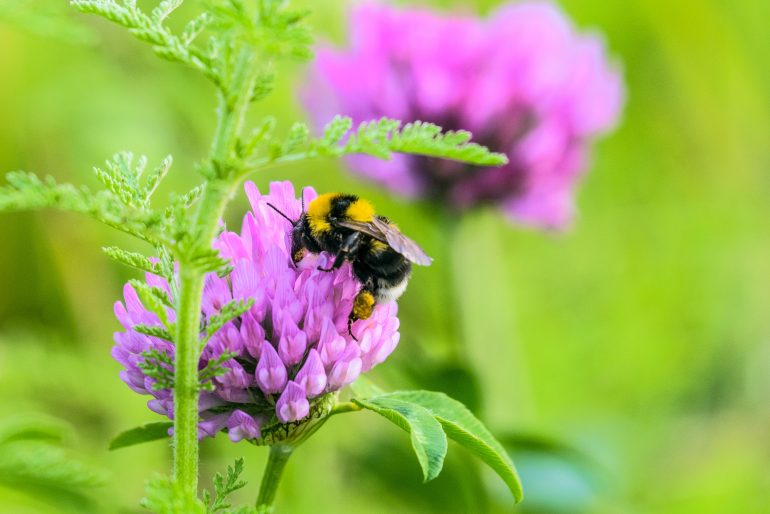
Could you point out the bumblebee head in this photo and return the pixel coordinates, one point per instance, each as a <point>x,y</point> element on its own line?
<point>298,245</point>
<point>298,229</point>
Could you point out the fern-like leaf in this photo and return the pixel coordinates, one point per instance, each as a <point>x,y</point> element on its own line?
<point>229,312</point>
<point>26,191</point>
<point>154,331</point>
<point>164,496</point>
<point>381,139</point>
<point>159,366</point>
<point>224,486</point>
<point>132,259</point>
<point>384,137</point>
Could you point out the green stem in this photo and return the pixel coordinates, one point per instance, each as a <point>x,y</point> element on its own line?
<point>219,190</point>
<point>276,461</point>
<point>233,105</point>
<point>186,379</point>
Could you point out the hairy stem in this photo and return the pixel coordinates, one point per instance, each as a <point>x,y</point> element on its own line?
<point>276,461</point>
<point>218,192</point>
<point>233,105</point>
<point>186,379</point>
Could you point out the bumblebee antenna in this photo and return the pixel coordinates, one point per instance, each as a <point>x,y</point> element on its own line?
<point>302,196</point>
<point>276,209</point>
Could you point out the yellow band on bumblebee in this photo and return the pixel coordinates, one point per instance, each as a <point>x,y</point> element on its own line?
<point>360,210</point>
<point>318,212</point>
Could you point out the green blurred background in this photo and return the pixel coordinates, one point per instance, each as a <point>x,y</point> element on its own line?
<point>626,363</point>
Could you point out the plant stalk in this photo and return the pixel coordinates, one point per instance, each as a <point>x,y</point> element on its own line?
<point>186,379</point>
<point>276,461</point>
<point>219,190</point>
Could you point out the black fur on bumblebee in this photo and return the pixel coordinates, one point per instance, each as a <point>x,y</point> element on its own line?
<point>346,227</point>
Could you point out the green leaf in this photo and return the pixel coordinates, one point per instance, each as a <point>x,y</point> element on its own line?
<point>121,177</point>
<point>116,186</point>
<point>227,313</point>
<point>223,487</point>
<point>158,365</point>
<point>164,9</point>
<point>381,138</point>
<point>141,434</point>
<point>194,27</point>
<point>428,439</point>
<point>154,299</point>
<point>107,9</point>
<point>154,331</point>
<point>385,136</point>
<point>365,388</point>
<point>297,136</point>
<point>259,135</point>
<point>464,428</point>
<point>27,191</point>
<point>164,496</point>
<point>155,177</point>
<point>131,259</point>
<point>335,130</point>
<point>214,368</point>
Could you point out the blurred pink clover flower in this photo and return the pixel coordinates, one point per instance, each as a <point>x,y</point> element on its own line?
<point>523,81</point>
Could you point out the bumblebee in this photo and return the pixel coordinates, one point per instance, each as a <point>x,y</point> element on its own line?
<point>347,227</point>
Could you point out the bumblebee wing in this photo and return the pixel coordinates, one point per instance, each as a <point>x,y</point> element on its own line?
<point>364,228</point>
<point>408,248</point>
<point>389,233</point>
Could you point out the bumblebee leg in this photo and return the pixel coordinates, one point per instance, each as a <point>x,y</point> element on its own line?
<point>363,305</point>
<point>350,328</point>
<point>349,246</point>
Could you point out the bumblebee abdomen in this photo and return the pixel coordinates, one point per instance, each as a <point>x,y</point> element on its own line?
<point>391,290</point>
<point>385,271</point>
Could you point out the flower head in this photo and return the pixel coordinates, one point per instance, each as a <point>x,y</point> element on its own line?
<point>289,350</point>
<point>523,81</point>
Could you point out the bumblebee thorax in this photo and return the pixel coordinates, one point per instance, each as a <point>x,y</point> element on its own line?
<point>326,208</point>
<point>318,213</point>
<point>360,210</point>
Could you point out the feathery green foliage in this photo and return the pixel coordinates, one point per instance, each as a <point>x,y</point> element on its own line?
<point>132,259</point>
<point>223,487</point>
<point>26,191</point>
<point>269,28</point>
<point>159,366</point>
<point>154,299</point>
<point>154,331</point>
<point>227,313</point>
<point>381,138</point>
<point>384,137</point>
<point>165,496</point>
<point>214,368</point>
